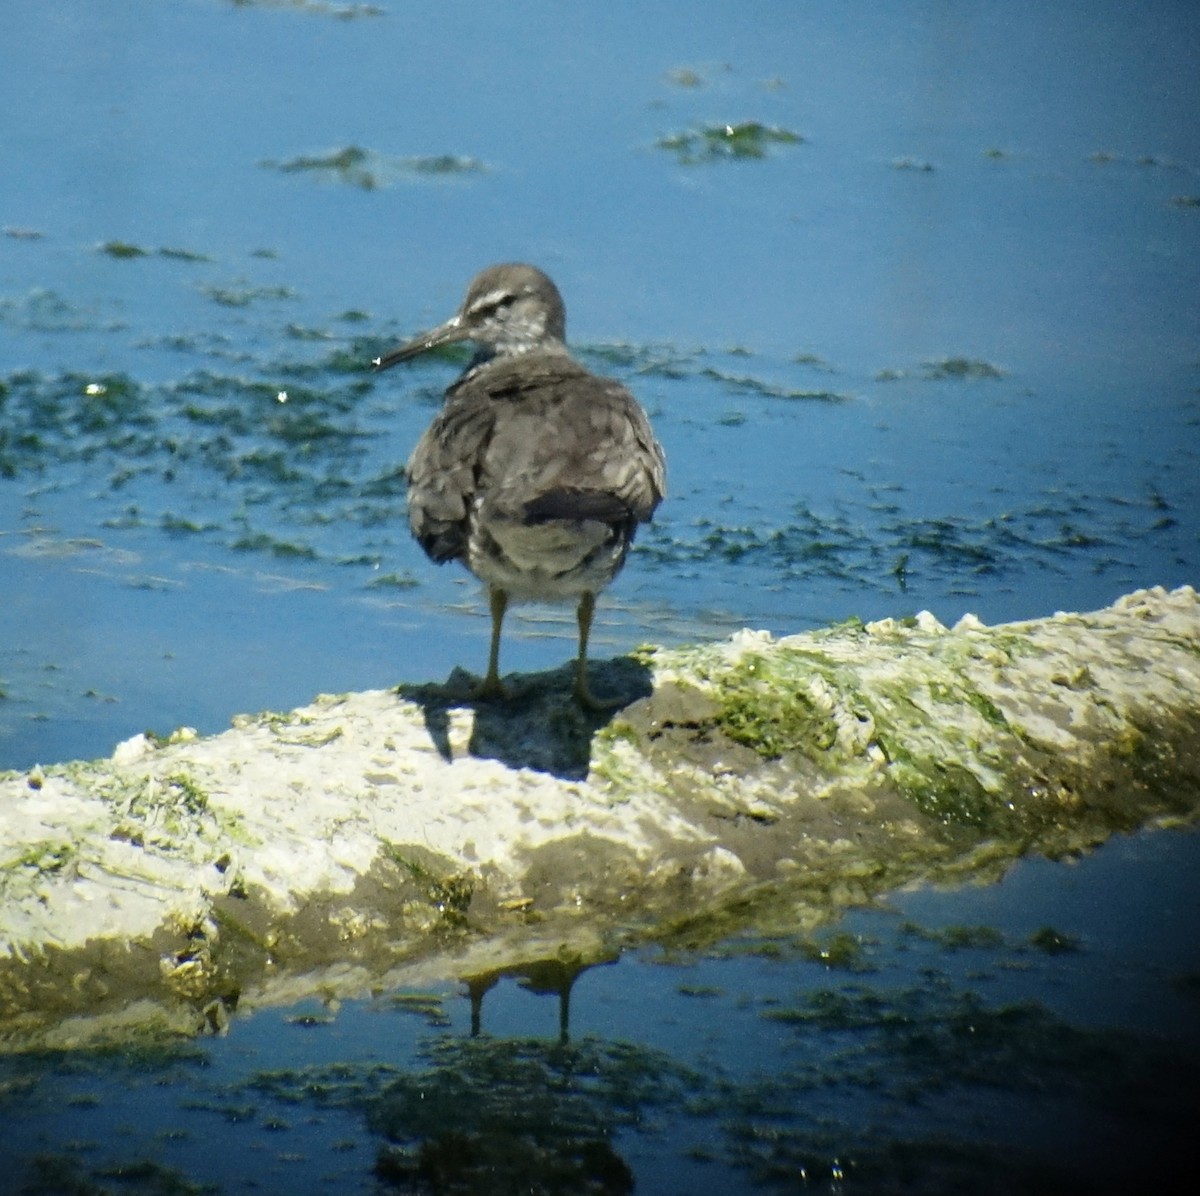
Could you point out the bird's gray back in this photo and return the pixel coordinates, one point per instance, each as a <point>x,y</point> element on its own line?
<point>529,438</point>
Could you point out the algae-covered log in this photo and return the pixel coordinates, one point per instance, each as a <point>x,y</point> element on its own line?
<point>759,782</point>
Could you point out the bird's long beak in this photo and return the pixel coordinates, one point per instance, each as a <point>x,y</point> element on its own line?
<point>444,334</point>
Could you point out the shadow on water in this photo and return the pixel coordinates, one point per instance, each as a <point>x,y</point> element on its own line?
<point>539,726</point>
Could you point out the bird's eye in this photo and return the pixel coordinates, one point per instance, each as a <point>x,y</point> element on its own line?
<point>489,305</point>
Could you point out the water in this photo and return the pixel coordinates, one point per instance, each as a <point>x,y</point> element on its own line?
<point>940,353</point>
<point>1052,241</point>
<point>951,1042</point>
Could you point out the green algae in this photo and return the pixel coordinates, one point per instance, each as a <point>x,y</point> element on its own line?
<point>183,255</point>
<point>959,368</point>
<point>36,861</point>
<point>348,165</point>
<point>179,735</point>
<point>748,140</point>
<point>178,525</point>
<point>442,165</point>
<point>880,552</point>
<point>394,581</point>
<point>943,789</point>
<point>840,951</point>
<point>524,1114</point>
<point>645,360</point>
<point>950,542</point>
<point>699,990</point>
<point>928,732</point>
<point>123,250</point>
<point>313,739</point>
<point>57,1175</point>
<point>763,707</point>
<point>288,436</point>
<point>430,1007</point>
<point>244,296</point>
<point>229,924</point>
<point>171,816</point>
<point>961,938</point>
<point>933,1037</point>
<point>448,892</point>
<point>190,795</point>
<point>1053,942</point>
<point>952,369</point>
<point>44,310</point>
<point>743,384</point>
<point>358,167</point>
<point>913,165</point>
<point>298,333</point>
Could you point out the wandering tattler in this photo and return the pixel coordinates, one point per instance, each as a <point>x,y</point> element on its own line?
<point>536,473</point>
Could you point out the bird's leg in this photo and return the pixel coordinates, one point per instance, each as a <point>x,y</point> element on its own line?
<point>492,686</point>
<point>583,695</point>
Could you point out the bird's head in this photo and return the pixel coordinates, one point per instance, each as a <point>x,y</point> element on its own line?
<point>509,309</point>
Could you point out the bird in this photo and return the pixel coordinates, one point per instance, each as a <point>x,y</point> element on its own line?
<point>536,473</point>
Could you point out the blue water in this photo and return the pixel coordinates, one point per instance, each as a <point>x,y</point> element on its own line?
<point>1051,239</point>
<point>1058,1068</point>
<point>942,353</point>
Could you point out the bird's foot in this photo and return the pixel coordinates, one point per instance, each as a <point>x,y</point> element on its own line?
<point>491,689</point>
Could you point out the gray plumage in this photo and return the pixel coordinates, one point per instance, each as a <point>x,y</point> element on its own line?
<point>536,473</point>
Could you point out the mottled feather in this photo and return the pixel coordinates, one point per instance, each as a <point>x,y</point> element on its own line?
<point>536,473</point>
<point>529,439</point>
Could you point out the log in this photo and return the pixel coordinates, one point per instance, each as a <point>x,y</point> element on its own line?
<point>398,836</point>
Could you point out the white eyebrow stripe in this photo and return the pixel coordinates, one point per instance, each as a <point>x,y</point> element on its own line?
<point>492,298</point>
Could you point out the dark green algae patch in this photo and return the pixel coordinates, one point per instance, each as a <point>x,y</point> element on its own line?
<point>749,139</point>
<point>291,448</point>
<point>368,170</point>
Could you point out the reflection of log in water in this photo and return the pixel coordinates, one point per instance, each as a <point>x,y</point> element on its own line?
<point>760,782</point>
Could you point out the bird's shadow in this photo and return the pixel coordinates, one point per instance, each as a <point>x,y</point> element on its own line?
<point>539,725</point>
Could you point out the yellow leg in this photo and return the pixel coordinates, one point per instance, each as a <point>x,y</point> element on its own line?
<point>583,695</point>
<point>492,686</point>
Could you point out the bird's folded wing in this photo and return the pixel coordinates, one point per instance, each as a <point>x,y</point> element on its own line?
<point>443,474</point>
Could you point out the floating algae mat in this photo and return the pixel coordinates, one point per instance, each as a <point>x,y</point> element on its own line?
<point>712,143</point>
